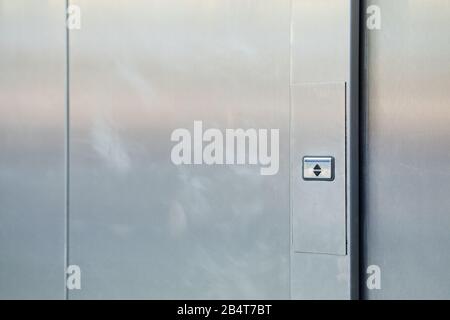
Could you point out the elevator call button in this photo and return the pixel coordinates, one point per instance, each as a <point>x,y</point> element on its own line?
<point>318,168</point>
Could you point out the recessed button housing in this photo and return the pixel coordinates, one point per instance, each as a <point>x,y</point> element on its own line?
<point>318,168</point>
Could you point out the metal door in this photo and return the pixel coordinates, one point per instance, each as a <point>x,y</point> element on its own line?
<point>89,119</point>
<point>32,149</point>
<point>142,227</point>
<point>406,177</point>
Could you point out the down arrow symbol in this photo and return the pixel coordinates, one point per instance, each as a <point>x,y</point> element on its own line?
<point>317,170</point>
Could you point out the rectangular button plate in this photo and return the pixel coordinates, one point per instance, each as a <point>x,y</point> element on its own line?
<point>318,168</point>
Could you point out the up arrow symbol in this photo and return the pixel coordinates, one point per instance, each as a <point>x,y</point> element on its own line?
<point>317,170</point>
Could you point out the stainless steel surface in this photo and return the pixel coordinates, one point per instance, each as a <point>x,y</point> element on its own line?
<point>322,277</point>
<point>320,40</point>
<point>324,63</point>
<point>318,209</point>
<point>407,150</point>
<point>140,226</point>
<point>32,171</point>
<point>318,168</point>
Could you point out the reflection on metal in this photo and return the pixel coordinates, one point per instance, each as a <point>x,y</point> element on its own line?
<point>142,227</point>
<point>32,107</point>
<point>407,150</point>
<point>139,225</point>
<point>323,121</point>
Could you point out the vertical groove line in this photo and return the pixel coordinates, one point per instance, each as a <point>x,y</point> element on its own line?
<point>290,147</point>
<point>67,152</point>
<point>354,157</point>
<point>363,153</point>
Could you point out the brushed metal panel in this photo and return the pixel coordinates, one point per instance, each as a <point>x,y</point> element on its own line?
<point>320,40</point>
<point>407,150</point>
<point>141,227</point>
<point>324,53</point>
<point>319,207</point>
<point>323,277</point>
<point>32,171</point>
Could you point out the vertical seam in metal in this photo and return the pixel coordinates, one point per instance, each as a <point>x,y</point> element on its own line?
<point>363,103</point>
<point>290,146</point>
<point>67,152</point>
<point>347,170</point>
<point>354,150</point>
